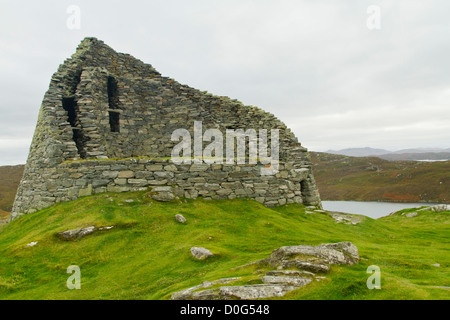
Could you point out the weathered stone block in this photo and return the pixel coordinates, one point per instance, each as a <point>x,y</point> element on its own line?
<point>120,181</point>
<point>199,167</point>
<point>163,174</point>
<point>110,174</point>
<point>126,174</point>
<point>86,191</point>
<point>138,182</point>
<point>157,182</point>
<point>100,182</point>
<point>143,174</point>
<point>170,167</point>
<point>154,167</point>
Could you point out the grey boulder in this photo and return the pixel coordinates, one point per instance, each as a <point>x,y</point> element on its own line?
<point>76,233</point>
<point>200,253</point>
<point>328,253</point>
<point>180,218</point>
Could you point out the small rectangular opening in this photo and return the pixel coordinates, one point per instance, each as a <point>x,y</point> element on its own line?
<point>113,93</point>
<point>114,121</point>
<point>113,101</point>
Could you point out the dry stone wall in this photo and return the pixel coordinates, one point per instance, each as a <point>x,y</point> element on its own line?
<point>103,105</point>
<point>72,180</point>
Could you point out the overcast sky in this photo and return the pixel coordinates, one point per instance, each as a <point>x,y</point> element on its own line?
<point>336,72</point>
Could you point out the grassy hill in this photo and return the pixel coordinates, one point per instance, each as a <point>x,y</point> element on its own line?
<point>9,181</point>
<point>373,179</point>
<point>147,254</point>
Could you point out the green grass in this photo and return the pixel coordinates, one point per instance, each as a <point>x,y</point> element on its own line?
<point>147,255</point>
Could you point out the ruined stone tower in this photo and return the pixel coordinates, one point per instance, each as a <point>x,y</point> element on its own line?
<point>105,125</point>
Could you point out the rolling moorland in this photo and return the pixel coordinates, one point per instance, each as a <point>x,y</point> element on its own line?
<point>9,181</point>
<point>342,177</point>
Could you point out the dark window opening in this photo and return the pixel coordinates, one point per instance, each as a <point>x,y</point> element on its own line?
<point>113,95</point>
<point>114,121</point>
<point>69,106</point>
<point>113,101</point>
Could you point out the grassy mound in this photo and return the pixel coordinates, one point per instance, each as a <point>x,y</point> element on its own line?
<point>147,254</point>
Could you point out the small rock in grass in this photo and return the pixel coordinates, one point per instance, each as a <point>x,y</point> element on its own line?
<point>201,253</point>
<point>411,214</point>
<point>180,218</point>
<point>76,233</point>
<point>437,265</point>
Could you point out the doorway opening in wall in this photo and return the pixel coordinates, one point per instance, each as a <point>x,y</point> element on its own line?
<point>303,189</point>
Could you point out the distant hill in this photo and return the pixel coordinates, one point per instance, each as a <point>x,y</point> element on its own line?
<point>404,154</point>
<point>9,182</point>
<point>3,215</point>
<point>341,177</point>
<point>432,156</point>
<point>359,152</point>
<point>422,150</point>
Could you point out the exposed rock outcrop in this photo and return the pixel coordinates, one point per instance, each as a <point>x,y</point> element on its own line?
<point>76,233</point>
<point>304,262</point>
<point>440,208</point>
<point>411,214</point>
<point>194,294</point>
<point>346,218</point>
<point>82,232</point>
<point>329,253</point>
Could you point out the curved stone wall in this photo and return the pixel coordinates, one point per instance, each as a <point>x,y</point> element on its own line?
<point>107,105</point>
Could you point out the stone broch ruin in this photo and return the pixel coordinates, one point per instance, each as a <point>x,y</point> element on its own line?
<point>105,125</point>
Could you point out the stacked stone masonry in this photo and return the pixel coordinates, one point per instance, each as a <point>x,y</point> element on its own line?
<point>103,105</point>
